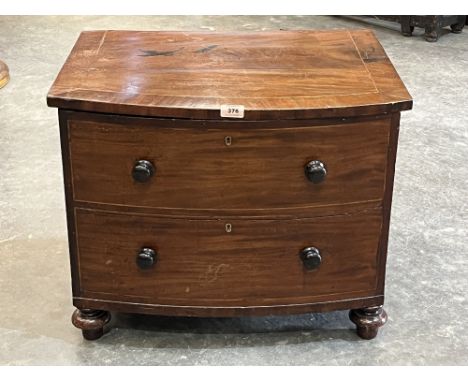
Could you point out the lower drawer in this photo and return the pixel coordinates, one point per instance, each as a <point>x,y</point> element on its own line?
<point>216,263</point>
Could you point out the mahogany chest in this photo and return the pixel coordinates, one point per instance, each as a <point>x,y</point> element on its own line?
<point>228,174</point>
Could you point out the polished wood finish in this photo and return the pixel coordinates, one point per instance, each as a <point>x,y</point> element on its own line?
<point>4,74</point>
<point>387,201</point>
<point>368,321</point>
<point>284,211</point>
<point>200,264</point>
<point>226,311</point>
<point>91,322</point>
<point>274,75</point>
<point>196,171</point>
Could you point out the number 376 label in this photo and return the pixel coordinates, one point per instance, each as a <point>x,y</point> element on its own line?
<point>232,111</point>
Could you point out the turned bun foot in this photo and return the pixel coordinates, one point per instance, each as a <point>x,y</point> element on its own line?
<point>456,28</point>
<point>92,334</point>
<point>431,35</point>
<point>91,322</point>
<point>368,321</point>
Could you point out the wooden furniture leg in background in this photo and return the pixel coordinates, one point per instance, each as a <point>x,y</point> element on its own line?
<point>432,28</point>
<point>433,25</point>
<point>4,74</point>
<point>406,27</point>
<point>459,25</point>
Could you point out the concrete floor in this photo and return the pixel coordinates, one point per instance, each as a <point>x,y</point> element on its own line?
<point>427,275</point>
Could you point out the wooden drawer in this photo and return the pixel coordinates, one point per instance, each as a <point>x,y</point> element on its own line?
<point>198,263</point>
<point>261,169</point>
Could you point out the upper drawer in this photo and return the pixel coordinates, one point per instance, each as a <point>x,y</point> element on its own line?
<point>231,167</point>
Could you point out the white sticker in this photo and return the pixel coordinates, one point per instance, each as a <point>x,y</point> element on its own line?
<point>232,111</point>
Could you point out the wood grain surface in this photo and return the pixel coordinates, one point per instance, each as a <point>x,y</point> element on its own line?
<point>226,311</point>
<point>200,264</point>
<point>274,75</point>
<point>125,96</point>
<point>261,172</point>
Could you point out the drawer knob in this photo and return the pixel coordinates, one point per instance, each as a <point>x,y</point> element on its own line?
<point>142,171</point>
<point>146,258</point>
<point>315,171</point>
<point>311,258</point>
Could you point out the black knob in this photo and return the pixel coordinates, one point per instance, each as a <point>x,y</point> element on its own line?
<point>315,171</point>
<point>146,258</point>
<point>142,171</point>
<point>311,258</point>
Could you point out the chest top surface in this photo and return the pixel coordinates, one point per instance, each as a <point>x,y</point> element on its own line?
<point>273,75</point>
